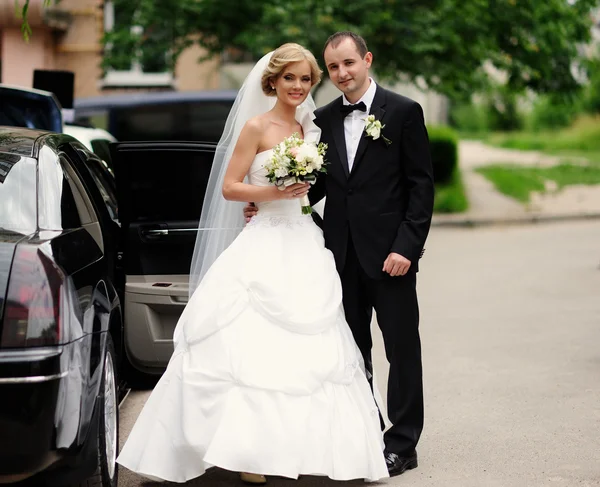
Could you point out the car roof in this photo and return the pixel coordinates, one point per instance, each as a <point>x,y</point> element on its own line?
<point>148,98</point>
<point>25,142</point>
<point>27,90</point>
<point>17,140</point>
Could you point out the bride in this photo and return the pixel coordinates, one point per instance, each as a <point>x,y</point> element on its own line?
<point>265,378</point>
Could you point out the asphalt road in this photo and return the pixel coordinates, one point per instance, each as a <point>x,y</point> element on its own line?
<point>510,325</point>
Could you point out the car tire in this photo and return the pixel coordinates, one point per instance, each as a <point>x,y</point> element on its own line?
<point>107,471</point>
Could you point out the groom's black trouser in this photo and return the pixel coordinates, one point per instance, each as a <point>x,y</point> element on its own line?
<point>395,302</point>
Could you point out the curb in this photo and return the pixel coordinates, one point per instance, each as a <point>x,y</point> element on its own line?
<point>470,222</point>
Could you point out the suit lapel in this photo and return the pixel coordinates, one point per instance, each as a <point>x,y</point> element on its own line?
<point>379,112</point>
<point>337,129</point>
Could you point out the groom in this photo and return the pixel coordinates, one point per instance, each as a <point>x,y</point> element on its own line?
<point>377,215</point>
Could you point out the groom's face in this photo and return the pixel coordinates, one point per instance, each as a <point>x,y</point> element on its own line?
<point>347,69</point>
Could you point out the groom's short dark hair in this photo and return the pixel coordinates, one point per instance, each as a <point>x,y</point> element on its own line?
<point>338,37</point>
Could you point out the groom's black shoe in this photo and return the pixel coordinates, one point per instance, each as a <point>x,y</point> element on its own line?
<point>397,465</point>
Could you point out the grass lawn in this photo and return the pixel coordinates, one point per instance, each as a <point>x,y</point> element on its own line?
<point>518,182</point>
<point>582,139</point>
<point>451,197</point>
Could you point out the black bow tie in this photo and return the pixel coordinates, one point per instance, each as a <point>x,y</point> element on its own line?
<point>346,109</point>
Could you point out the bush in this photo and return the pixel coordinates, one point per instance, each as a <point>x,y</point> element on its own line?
<point>468,117</point>
<point>503,113</point>
<point>443,144</point>
<point>451,197</point>
<point>592,95</point>
<point>553,112</point>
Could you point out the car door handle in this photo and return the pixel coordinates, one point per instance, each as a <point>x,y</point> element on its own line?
<point>183,230</point>
<point>155,232</point>
<point>161,232</point>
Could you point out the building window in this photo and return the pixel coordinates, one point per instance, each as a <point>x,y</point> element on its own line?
<point>150,67</point>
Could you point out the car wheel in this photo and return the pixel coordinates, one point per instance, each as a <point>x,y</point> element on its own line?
<point>107,473</point>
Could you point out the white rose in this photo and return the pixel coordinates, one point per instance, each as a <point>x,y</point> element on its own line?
<point>317,162</point>
<point>375,132</point>
<point>280,172</point>
<point>307,152</point>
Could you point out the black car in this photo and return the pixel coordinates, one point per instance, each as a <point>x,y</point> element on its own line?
<point>61,331</point>
<point>159,115</point>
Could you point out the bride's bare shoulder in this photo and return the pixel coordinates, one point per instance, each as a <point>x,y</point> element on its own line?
<point>257,125</point>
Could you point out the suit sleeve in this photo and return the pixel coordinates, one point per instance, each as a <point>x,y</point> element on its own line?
<point>317,190</point>
<point>418,170</point>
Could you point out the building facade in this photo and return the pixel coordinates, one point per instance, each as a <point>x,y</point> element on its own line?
<point>68,35</point>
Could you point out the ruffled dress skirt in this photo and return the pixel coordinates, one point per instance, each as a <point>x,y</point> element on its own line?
<point>265,377</point>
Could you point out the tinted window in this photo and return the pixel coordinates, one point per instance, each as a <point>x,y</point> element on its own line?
<point>21,108</point>
<point>102,180</point>
<point>18,210</point>
<point>58,206</point>
<point>199,121</point>
<point>165,185</point>
<point>101,149</point>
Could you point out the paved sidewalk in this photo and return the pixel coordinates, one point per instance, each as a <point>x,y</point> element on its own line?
<point>511,357</point>
<point>488,206</point>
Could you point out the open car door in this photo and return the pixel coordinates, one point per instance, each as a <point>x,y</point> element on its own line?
<point>160,191</point>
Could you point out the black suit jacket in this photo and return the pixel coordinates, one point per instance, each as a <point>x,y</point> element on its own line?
<point>385,203</point>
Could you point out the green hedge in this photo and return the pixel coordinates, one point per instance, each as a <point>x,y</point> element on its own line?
<point>468,117</point>
<point>553,112</point>
<point>443,144</point>
<point>592,92</point>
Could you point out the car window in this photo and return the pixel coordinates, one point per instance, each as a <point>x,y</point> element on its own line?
<point>31,109</point>
<point>102,150</point>
<point>18,211</point>
<point>166,185</point>
<point>103,180</point>
<point>194,121</point>
<point>63,201</point>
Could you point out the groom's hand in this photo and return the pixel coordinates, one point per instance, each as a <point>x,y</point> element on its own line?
<point>249,211</point>
<point>396,265</point>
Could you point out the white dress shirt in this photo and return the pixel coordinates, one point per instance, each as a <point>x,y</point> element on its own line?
<point>354,123</point>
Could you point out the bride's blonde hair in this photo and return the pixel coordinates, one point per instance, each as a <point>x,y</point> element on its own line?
<point>282,57</point>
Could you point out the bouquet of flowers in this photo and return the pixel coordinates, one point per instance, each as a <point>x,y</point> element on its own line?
<point>295,160</point>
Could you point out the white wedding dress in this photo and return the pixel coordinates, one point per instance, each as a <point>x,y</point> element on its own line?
<point>265,377</point>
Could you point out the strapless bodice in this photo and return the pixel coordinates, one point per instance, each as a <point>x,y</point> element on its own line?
<point>257,176</point>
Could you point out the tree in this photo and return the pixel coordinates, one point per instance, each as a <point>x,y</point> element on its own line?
<point>21,12</point>
<point>447,45</point>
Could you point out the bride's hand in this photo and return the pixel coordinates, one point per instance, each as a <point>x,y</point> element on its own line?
<point>250,210</point>
<point>297,190</point>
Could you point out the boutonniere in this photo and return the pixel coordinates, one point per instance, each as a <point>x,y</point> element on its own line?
<point>373,129</point>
